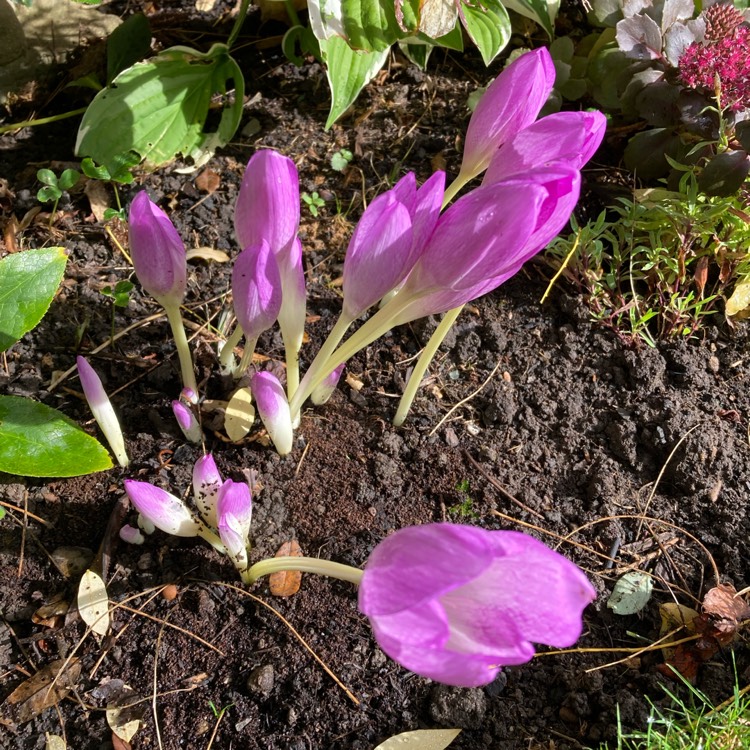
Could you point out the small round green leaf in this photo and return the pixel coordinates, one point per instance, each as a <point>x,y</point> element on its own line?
<point>39,441</point>
<point>631,593</point>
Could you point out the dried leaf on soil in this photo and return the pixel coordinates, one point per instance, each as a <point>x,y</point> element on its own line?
<point>208,181</point>
<point>674,617</point>
<point>72,561</point>
<point>48,686</point>
<point>420,739</point>
<point>93,602</point>
<point>125,713</point>
<point>54,742</point>
<point>727,610</point>
<point>240,415</point>
<point>286,582</point>
<point>207,253</point>
<point>631,593</point>
<point>98,198</point>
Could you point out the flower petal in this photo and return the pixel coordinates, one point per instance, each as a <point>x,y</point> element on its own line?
<point>379,254</point>
<point>163,509</point>
<point>234,511</point>
<point>256,289</point>
<point>510,103</point>
<point>419,563</point>
<point>570,137</point>
<point>187,422</point>
<point>157,250</point>
<point>268,204</point>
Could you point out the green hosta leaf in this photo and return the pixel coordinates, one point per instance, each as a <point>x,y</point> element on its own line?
<point>38,441</point>
<point>543,12</point>
<point>488,27</point>
<point>28,282</point>
<point>348,73</point>
<point>369,24</point>
<point>158,109</point>
<point>127,44</point>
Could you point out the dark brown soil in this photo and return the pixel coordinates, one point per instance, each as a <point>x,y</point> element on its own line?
<point>567,439</point>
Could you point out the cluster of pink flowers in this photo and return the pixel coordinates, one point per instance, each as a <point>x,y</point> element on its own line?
<point>727,59</point>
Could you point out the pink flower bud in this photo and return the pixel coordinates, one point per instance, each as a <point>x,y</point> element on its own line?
<point>268,204</point>
<point>206,484</point>
<point>456,603</point>
<point>158,252</point>
<point>234,512</point>
<point>325,390</point>
<point>187,422</point>
<point>131,535</point>
<point>273,409</point>
<point>101,408</point>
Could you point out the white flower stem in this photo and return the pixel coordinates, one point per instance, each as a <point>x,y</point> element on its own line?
<point>227,350</point>
<point>427,355</point>
<point>183,348</point>
<point>305,565</point>
<point>247,358</point>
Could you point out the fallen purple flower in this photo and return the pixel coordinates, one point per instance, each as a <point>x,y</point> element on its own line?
<point>456,603</point>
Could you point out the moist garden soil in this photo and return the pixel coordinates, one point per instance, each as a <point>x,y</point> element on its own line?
<point>531,418</point>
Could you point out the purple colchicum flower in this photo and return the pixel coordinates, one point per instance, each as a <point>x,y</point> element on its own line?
<point>234,511</point>
<point>158,252</point>
<point>273,409</point>
<point>455,603</point>
<point>131,535</point>
<point>101,408</point>
<point>511,102</point>
<point>388,239</point>
<point>256,289</point>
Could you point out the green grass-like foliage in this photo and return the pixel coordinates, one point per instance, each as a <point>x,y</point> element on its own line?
<point>653,267</point>
<point>693,724</point>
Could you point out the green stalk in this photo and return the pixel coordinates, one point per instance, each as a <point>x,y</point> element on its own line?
<point>225,355</point>
<point>238,23</point>
<point>247,358</point>
<point>183,348</point>
<point>305,565</point>
<point>300,393</point>
<point>427,355</point>
<point>41,120</point>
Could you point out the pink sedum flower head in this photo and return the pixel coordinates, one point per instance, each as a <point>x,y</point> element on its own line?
<point>161,508</point>
<point>511,102</point>
<point>101,408</point>
<point>273,409</point>
<point>256,289</point>
<point>568,137</point>
<point>234,512</point>
<point>325,390</point>
<point>158,252</point>
<point>456,603</point>
<point>268,204</point>
<point>206,484</point>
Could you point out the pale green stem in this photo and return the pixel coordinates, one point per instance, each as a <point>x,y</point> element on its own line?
<point>378,325</point>
<point>427,355</point>
<point>306,387</point>
<point>225,356</point>
<point>292,370</point>
<point>247,358</point>
<point>303,564</point>
<point>238,23</point>
<point>437,338</point>
<point>213,539</point>
<point>183,348</point>
<point>41,120</point>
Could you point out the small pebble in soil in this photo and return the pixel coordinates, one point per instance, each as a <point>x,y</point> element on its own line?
<point>458,707</point>
<point>261,680</point>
